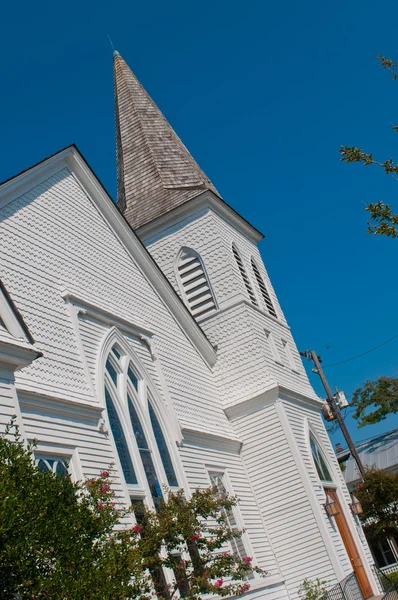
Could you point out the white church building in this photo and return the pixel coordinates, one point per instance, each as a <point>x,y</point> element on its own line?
<point>147,334</point>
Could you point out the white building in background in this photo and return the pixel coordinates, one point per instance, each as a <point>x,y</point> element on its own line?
<point>148,335</point>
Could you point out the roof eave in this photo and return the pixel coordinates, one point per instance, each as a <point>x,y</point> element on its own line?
<point>203,199</point>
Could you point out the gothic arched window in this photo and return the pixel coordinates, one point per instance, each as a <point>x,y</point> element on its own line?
<point>263,289</point>
<point>195,283</point>
<point>320,463</point>
<point>136,428</point>
<point>244,275</point>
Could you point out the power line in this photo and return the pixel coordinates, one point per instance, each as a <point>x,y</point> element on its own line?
<point>362,353</point>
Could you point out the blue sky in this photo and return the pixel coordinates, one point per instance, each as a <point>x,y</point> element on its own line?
<point>263,94</point>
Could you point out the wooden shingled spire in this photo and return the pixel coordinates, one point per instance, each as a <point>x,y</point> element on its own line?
<point>155,171</point>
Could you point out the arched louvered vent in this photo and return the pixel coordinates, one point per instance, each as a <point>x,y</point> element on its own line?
<point>245,277</point>
<point>195,283</point>
<point>263,290</point>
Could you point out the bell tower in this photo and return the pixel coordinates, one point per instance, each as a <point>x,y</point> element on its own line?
<point>207,250</point>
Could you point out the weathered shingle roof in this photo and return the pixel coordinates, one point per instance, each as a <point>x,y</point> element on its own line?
<point>156,173</point>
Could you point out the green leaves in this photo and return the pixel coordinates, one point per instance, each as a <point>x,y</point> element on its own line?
<point>389,65</point>
<point>71,541</point>
<point>378,495</point>
<point>383,220</point>
<point>312,589</point>
<point>381,394</point>
<point>190,536</point>
<point>58,538</point>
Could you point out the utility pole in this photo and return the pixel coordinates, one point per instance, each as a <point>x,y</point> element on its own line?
<point>311,355</point>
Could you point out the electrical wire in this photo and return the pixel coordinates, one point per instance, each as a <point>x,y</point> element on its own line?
<point>362,353</point>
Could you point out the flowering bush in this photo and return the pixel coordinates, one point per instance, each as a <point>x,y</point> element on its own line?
<point>58,538</point>
<point>65,540</point>
<point>189,536</point>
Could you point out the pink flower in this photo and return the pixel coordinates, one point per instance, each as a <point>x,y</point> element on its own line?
<point>244,588</point>
<point>104,474</point>
<point>182,563</point>
<point>195,537</point>
<point>104,489</point>
<point>247,560</point>
<point>136,529</point>
<point>100,505</point>
<point>90,482</point>
<point>218,583</point>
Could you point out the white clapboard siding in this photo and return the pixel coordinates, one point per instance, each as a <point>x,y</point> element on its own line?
<point>290,522</point>
<point>199,460</point>
<point>297,417</point>
<point>7,404</point>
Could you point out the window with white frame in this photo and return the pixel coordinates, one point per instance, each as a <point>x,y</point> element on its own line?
<point>272,346</point>
<point>53,464</point>
<point>263,289</point>
<point>137,431</point>
<point>289,355</point>
<point>195,283</point>
<point>244,275</point>
<point>320,462</point>
<point>237,545</point>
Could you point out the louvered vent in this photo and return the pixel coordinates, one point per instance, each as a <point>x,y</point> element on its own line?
<point>245,277</point>
<point>195,284</point>
<point>263,290</point>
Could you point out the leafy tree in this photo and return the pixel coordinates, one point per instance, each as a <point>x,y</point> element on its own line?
<point>61,540</point>
<point>378,494</point>
<point>383,220</point>
<point>58,538</point>
<point>381,394</point>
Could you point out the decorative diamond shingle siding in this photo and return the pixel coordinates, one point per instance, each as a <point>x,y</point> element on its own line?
<point>156,172</point>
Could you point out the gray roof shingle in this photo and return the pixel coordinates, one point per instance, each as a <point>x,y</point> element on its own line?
<point>155,171</point>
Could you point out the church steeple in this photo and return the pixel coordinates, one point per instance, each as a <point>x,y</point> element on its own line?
<point>155,171</point>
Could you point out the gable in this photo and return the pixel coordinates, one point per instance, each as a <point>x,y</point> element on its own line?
<point>71,159</point>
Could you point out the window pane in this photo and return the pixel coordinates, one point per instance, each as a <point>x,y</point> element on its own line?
<point>116,352</point>
<point>43,466</point>
<point>120,441</point>
<point>112,371</point>
<point>237,545</point>
<point>137,427</point>
<point>145,453</point>
<point>163,449</point>
<point>61,469</point>
<point>320,464</point>
<point>138,509</point>
<point>133,378</point>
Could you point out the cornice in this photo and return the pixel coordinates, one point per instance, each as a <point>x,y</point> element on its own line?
<point>58,406</point>
<point>271,395</point>
<point>16,354</point>
<point>209,439</point>
<point>89,309</point>
<point>206,200</point>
